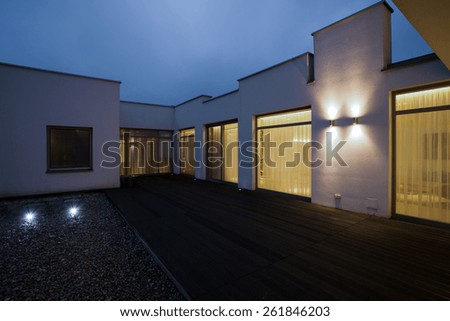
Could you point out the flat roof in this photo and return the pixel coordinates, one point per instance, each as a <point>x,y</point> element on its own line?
<point>277,65</point>
<point>412,61</point>
<point>192,99</point>
<point>220,96</point>
<point>57,72</point>
<point>146,104</point>
<point>355,14</point>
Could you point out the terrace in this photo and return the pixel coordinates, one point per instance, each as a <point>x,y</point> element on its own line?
<point>219,243</point>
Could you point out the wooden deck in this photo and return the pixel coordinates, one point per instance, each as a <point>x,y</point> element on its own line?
<point>222,244</point>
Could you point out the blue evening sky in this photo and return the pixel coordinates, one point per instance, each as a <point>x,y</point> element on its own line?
<point>168,51</point>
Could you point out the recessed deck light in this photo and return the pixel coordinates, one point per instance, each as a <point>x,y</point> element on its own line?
<point>29,216</point>
<point>73,211</point>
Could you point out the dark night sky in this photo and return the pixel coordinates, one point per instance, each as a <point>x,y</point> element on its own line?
<point>168,51</point>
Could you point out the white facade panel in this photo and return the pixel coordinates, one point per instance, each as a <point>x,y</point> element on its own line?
<point>146,116</point>
<point>31,100</point>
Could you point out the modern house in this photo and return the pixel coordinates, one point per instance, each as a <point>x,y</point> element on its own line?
<point>343,127</point>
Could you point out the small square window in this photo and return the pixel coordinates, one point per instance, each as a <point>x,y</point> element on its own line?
<point>69,148</point>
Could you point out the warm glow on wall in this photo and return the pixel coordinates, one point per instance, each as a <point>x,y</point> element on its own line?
<point>356,130</point>
<point>356,110</point>
<point>332,113</point>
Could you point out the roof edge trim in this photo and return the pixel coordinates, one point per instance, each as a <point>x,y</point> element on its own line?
<point>58,72</point>
<point>277,65</point>
<point>355,14</point>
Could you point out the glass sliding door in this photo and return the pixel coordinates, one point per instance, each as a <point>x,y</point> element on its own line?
<point>422,154</point>
<point>215,152</point>
<point>165,152</point>
<point>143,152</point>
<point>281,141</point>
<point>187,151</point>
<point>231,154</point>
<point>222,152</point>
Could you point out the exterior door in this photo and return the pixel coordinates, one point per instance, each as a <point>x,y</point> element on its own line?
<point>222,152</point>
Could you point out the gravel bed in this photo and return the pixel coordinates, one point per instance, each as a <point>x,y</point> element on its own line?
<point>54,254</point>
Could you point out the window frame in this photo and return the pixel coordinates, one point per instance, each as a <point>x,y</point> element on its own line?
<point>69,169</point>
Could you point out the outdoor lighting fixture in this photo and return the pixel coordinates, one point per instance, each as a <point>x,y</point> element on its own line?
<point>73,211</point>
<point>29,216</point>
<point>331,123</point>
<point>355,121</point>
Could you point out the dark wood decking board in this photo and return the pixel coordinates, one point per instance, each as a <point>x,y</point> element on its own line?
<point>222,244</point>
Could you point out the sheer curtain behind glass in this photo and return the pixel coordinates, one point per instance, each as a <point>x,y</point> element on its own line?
<point>187,157</point>
<point>143,152</point>
<point>283,169</point>
<point>215,152</point>
<point>423,156</point>
<point>231,152</point>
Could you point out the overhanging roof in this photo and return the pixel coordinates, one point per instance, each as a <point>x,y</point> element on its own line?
<point>431,20</point>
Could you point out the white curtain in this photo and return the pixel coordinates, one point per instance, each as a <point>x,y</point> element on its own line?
<point>187,157</point>
<point>291,117</point>
<point>215,152</point>
<point>423,99</point>
<point>285,170</point>
<point>423,158</point>
<point>145,151</point>
<point>231,152</point>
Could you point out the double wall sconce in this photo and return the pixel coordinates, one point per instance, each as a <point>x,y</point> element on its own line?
<point>332,123</point>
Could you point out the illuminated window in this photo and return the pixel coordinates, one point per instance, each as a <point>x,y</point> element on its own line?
<point>422,154</point>
<point>187,151</point>
<point>223,151</point>
<point>291,117</point>
<point>282,140</point>
<point>145,152</point>
<point>423,99</point>
<point>69,148</point>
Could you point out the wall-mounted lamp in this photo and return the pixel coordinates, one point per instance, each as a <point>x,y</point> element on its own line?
<point>331,123</point>
<point>355,120</point>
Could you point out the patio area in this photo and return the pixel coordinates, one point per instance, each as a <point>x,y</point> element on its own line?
<point>219,243</point>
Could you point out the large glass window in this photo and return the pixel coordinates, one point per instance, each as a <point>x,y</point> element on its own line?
<point>187,151</point>
<point>223,151</point>
<point>231,155</point>
<point>69,148</point>
<point>282,139</point>
<point>422,154</point>
<point>145,152</point>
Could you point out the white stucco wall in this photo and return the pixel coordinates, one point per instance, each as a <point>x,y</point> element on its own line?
<point>146,116</point>
<point>30,100</point>
<point>201,112</point>
<point>349,58</point>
